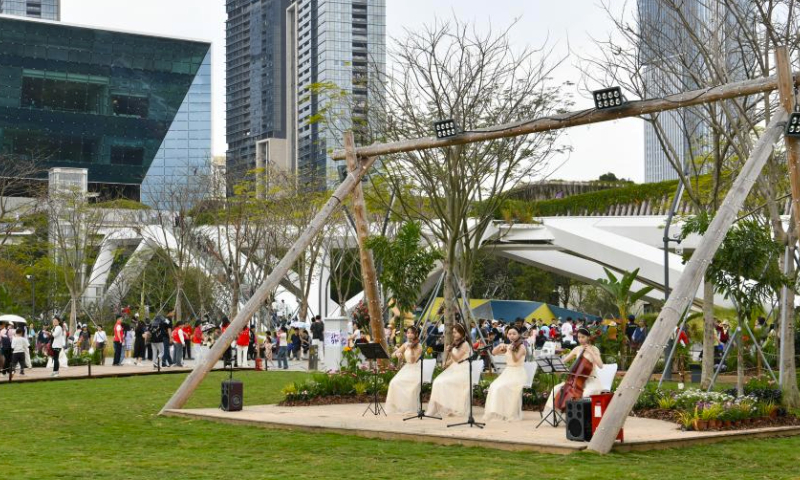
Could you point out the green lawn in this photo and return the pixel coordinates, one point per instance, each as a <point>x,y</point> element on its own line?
<point>107,428</point>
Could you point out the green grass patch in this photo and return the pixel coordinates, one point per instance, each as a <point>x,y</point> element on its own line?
<point>108,428</point>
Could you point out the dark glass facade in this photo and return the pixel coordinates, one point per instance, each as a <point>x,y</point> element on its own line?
<point>88,98</point>
<point>256,76</point>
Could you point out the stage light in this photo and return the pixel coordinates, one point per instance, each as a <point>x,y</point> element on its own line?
<point>793,125</point>
<point>445,128</point>
<point>608,98</point>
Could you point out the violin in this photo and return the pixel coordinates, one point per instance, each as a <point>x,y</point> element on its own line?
<point>576,380</point>
<point>516,345</point>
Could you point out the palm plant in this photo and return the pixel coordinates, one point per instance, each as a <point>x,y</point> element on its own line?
<point>620,290</point>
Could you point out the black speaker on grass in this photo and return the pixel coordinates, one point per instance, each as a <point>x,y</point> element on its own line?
<point>579,420</point>
<point>232,395</point>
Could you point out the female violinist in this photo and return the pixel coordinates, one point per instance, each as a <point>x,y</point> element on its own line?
<point>582,380</point>
<point>403,395</point>
<point>504,401</point>
<point>450,390</point>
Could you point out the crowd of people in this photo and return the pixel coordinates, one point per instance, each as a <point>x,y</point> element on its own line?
<point>163,341</point>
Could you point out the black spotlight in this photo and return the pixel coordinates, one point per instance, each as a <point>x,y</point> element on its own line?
<point>608,98</point>
<point>793,125</point>
<point>445,128</point>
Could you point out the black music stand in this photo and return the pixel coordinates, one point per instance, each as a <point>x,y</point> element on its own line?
<point>420,411</point>
<point>372,352</point>
<point>476,355</point>
<point>552,365</point>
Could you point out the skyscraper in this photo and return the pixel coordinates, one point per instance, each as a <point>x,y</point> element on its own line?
<point>44,9</point>
<point>256,72</point>
<point>340,56</point>
<point>666,26</point>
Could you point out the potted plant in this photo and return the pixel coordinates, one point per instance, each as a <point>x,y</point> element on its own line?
<point>700,424</point>
<point>726,417</point>
<point>686,419</point>
<point>710,414</point>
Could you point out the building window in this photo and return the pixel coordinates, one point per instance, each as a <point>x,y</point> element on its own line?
<point>127,155</point>
<point>47,94</point>
<point>124,105</point>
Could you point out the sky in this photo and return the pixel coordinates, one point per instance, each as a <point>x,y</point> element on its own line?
<point>569,26</point>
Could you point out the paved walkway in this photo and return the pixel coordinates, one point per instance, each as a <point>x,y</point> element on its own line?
<point>127,369</point>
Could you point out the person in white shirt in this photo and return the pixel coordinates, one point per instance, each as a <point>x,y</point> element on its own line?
<point>566,333</point>
<point>57,345</point>
<point>19,345</point>
<point>100,339</point>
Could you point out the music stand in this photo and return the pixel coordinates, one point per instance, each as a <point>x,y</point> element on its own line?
<point>475,355</point>
<point>552,365</point>
<point>373,351</point>
<point>420,411</point>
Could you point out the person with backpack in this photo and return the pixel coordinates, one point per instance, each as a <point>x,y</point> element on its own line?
<point>157,336</point>
<point>100,339</point>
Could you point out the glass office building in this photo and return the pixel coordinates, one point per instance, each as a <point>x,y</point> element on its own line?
<point>107,101</point>
<point>44,9</point>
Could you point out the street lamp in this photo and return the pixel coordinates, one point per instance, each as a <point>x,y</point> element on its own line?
<point>33,295</point>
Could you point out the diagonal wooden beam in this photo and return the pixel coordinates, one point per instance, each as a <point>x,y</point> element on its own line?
<point>581,117</point>
<point>664,326</point>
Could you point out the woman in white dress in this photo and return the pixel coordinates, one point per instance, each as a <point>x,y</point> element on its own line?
<point>403,396</point>
<point>586,350</point>
<point>450,394</point>
<point>504,401</point>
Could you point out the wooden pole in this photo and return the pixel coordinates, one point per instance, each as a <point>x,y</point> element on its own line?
<point>683,293</point>
<point>788,100</point>
<point>368,275</point>
<point>572,119</point>
<point>200,370</point>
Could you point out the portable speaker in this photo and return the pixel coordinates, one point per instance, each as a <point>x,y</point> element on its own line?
<point>579,420</point>
<point>232,396</point>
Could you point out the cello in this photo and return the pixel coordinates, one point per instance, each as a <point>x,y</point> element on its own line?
<point>576,380</point>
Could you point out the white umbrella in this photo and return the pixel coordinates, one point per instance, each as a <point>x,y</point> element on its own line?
<point>13,319</point>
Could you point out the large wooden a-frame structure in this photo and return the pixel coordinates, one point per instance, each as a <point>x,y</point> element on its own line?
<point>642,367</point>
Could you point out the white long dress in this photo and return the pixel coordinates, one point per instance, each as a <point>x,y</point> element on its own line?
<point>450,393</point>
<point>504,400</point>
<point>403,395</point>
<point>592,386</point>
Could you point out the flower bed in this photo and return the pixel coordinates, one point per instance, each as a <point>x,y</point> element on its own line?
<point>697,410</point>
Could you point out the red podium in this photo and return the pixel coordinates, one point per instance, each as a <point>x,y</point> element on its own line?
<point>599,404</point>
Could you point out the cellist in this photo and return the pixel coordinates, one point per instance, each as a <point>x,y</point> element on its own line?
<point>582,380</point>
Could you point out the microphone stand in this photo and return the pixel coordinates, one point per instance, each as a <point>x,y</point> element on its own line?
<point>471,419</point>
<point>421,412</point>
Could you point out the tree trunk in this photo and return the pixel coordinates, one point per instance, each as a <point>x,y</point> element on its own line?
<point>178,302</point>
<point>449,305</point>
<point>73,312</point>
<point>788,380</point>
<point>235,292</point>
<point>709,335</point>
<point>740,359</point>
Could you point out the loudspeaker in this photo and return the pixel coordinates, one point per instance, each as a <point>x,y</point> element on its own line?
<point>232,396</point>
<point>579,420</point>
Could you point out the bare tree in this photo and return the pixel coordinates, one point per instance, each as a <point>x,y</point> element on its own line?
<point>19,192</point>
<point>75,238</point>
<point>449,70</point>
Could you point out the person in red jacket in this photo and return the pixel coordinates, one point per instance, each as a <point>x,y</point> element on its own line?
<point>197,341</point>
<point>178,341</point>
<point>187,341</point>
<point>119,337</point>
<point>242,343</point>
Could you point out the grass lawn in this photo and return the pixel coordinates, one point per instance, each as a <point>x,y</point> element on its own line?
<point>108,428</point>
